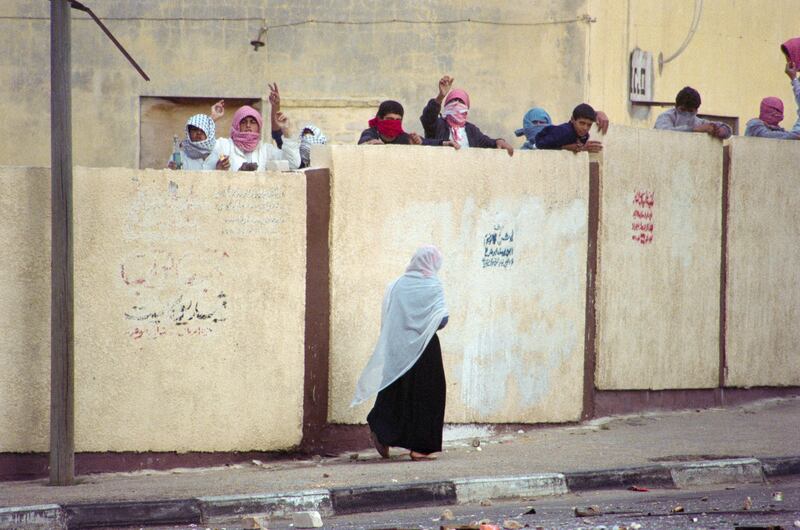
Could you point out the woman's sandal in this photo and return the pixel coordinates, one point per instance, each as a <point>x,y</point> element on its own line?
<point>383,450</point>
<point>421,457</point>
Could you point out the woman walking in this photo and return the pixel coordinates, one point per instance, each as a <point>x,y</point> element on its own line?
<point>406,367</point>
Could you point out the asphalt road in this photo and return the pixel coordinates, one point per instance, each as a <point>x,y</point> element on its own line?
<point>710,508</point>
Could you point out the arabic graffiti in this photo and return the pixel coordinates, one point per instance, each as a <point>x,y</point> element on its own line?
<point>498,247</point>
<point>250,212</point>
<point>174,294</point>
<point>642,224</point>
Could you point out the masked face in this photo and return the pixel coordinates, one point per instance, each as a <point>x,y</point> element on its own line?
<point>248,124</point>
<point>196,134</point>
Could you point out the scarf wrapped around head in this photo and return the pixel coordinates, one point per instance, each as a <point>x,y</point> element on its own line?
<point>427,261</point>
<point>202,148</point>
<point>455,112</point>
<point>533,122</point>
<point>246,141</point>
<point>306,140</point>
<point>413,309</point>
<point>771,111</point>
<point>792,48</point>
<point>316,136</point>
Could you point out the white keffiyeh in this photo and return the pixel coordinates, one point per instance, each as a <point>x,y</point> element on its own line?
<point>202,148</point>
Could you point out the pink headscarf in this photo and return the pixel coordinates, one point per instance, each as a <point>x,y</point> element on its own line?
<point>455,113</point>
<point>246,141</point>
<point>792,47</point>
<point>457,93</point>
<point>771,111</point>
<point>427,261</point>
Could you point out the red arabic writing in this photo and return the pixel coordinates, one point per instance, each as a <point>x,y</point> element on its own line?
<point>643,225</point>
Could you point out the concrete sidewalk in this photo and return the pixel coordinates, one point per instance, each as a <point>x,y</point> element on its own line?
<point>658,449</point>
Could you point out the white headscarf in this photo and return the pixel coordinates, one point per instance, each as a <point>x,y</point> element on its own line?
<point>202,148</point>
<point>413,308</point>
<point>316,137</point>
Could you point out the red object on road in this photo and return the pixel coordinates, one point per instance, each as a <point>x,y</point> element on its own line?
<point>637,488</point>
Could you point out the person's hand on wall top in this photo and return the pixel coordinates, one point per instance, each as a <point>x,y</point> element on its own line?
<point>218,110</point>
<point>415,138</point>
<point>224,163</point>
<point>376,141</point>
<point>502,144</point>
<point>708,128</point>
<point>602,121</point>
<point>720,132</point>
<point>445,84</point>
<point>592,146</point>
<point>451,143</point>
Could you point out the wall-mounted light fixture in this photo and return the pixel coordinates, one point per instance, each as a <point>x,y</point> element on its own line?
<point>258,42</point>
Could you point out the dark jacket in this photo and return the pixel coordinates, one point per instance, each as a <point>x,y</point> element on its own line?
<point>403,139</point>
<point>436,127</point>
<point>557,136</point>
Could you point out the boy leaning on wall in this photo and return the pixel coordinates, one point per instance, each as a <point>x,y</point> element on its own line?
<point>572,135</point>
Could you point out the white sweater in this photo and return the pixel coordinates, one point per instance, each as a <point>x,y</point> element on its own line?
<point>290,152</point>
<point>198,164</point>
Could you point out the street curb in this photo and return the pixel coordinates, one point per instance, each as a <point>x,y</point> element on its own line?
<point>393,496</point>
<point>539,485</point>
<point>359,499</point>
<point>732,471</point>
<point>781,465</point>
<point>652,476</point>
<point>272,504</point>
<point>182,511</point>
<point>39,516</point>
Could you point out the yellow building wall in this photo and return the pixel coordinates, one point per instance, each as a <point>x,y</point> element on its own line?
<point>763,285</point>
<point>513,349</point>
<point>733,59</point>
<point>335,61</point>
<point>202,56</point>
<point>189,310</point>
<point>508,56</point>
<point>659,260</point>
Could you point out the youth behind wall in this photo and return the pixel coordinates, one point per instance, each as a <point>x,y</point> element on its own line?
<point>571,51</point>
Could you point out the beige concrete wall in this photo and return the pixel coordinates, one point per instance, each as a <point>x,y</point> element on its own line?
<point>513,350</point>
<point>24,308</point>
<point>763,288</point>
<point>733,59</point>
<point>189,308</point>
<point>658,299</point>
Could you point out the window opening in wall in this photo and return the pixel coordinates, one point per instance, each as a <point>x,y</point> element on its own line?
<point>161,118</point>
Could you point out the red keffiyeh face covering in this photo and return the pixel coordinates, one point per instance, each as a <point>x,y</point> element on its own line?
<point>388,128</point>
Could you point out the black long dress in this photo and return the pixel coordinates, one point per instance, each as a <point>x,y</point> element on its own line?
<point>409,413</point>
